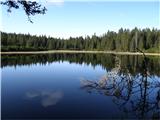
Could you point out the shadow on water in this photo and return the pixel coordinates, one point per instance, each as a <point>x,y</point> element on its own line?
<point>137,95</point>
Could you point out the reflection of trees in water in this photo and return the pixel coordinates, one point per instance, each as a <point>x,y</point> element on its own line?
<point>139,94</point>
<point>133,63</point>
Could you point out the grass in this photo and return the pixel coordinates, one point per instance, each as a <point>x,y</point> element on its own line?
<point>79,51</point>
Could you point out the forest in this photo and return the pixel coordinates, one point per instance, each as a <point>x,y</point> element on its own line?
<point>124,40</point>
<point>132,62</point>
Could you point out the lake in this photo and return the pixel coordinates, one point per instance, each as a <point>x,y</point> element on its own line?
<point>74,86</point>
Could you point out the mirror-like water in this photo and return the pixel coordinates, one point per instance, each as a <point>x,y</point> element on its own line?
<point>80,86</point>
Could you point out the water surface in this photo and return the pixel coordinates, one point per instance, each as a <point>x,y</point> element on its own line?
<point>80,86</point>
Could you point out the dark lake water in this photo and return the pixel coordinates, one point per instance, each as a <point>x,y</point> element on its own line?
<point>60,86</point>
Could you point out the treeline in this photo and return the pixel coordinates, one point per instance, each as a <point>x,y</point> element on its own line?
<point>107,61</point>
<point>123,40</point>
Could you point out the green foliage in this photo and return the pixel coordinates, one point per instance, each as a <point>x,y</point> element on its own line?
<point>154,49</point>
<point>124,40</point>
<point>133,62</point>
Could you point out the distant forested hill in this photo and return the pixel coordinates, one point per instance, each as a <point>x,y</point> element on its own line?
<point>123,40</point>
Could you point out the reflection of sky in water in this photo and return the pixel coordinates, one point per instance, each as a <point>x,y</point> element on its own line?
<point>138,95</point>
<point>37,86</point>
<point>48,98</point>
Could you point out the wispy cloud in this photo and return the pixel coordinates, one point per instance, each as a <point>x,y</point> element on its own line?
<point>55,2</point>
<point>50,2</point>
<point>48,98</point>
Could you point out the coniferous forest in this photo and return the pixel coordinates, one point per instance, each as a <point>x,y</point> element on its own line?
<point>124,40</point>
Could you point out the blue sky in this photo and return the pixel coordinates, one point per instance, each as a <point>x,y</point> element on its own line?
<point>68,18</point>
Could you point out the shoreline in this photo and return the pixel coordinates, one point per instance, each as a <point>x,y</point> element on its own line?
<point>74,51</point>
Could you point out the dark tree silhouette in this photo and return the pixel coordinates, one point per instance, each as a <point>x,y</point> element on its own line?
<point>31,8</point>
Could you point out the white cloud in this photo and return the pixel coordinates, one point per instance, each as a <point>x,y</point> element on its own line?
<point>51,98</point>
<point>56,2</point>
<point>53,2</point>
<point>48,98</point>
<point>50,2</point>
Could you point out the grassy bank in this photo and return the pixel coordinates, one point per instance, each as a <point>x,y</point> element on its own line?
<point>73,51</point>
